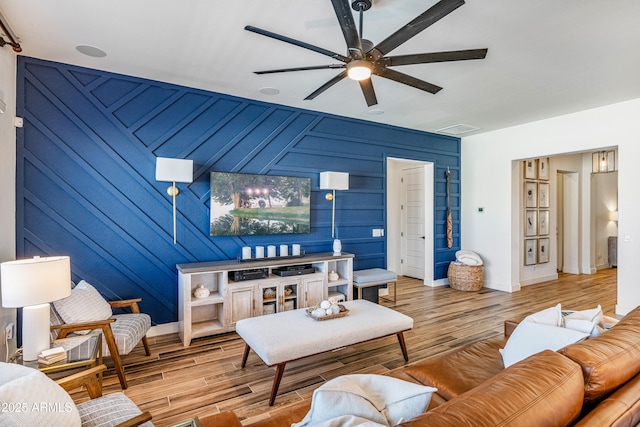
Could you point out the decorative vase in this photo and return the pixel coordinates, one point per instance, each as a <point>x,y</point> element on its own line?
<point>333,276</point>
<point>201,292</point>
<point>337,247</point>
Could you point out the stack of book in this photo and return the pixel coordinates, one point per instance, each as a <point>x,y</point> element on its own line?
<point>53,355</point>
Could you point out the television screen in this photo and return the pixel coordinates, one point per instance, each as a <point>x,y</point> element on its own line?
<point>243,204</point>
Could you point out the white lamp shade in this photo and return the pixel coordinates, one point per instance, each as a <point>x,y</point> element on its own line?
<point>34,281</point>
<point>613,216</point>
<point>174,170</point>
<point>334,181</point>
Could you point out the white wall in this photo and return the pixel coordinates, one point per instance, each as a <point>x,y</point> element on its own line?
<point>7,177</point>
<point>488,169</point>
<point>605,198</point>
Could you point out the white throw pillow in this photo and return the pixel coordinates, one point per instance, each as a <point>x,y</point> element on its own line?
<point>530,338</point>
<point>549,316</point>
<point>468,258</point>
<point>589,321</point>
<point>85,304</point>
<point>29,398</point>
<point>377,398</point>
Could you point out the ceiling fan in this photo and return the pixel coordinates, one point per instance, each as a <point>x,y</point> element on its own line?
<point>364,59</point>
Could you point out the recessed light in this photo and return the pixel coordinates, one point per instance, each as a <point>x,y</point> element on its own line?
<point>375,111</point>
<point>269,91</point>
<point>92,51</point>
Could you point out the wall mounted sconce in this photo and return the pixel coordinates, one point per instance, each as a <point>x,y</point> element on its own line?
<point>174,170</point>
<point>334,181</point>
<point>32,284</point>
<point>603,162</point>
<point>613,216</point>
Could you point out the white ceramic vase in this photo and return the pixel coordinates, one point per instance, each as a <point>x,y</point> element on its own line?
<point>337,247</point>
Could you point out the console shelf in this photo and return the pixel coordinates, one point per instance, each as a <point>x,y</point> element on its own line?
<point>264,293</point>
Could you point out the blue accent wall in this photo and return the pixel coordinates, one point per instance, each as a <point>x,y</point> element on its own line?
<point>86,176</point>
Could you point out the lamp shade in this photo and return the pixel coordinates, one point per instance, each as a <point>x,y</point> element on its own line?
<point>34,281</point>
<point>174,170</point>
<point>334,181</point>
<point>613,216</point>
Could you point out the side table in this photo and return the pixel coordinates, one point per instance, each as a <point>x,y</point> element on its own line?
<point>83,351</point>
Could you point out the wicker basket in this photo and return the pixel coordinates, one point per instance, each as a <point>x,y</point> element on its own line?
<point>465,277</point>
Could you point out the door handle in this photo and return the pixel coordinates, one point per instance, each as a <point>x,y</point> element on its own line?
<point>422,237</point>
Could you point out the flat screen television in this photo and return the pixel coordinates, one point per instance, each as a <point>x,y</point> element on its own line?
<point>245,204</point>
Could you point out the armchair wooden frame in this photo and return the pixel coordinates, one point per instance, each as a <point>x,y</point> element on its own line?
<point>107,333</point>
<point>90,379</point>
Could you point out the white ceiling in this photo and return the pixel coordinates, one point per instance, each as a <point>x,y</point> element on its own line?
<point>546,57</point>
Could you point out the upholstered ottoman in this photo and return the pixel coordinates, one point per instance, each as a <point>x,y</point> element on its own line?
<point>290,335</point>
<point>374,277</point>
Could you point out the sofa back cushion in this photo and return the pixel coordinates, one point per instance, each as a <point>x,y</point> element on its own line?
<point>609,360</point>
<point>460,369</point>
<point>545,389</point>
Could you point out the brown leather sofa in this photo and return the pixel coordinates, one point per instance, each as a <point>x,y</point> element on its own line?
<point>592,383</point>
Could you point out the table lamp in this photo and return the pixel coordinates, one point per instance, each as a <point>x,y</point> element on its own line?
<point>32,284</point>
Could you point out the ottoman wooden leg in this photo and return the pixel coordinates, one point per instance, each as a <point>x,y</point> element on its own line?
<point>403,346</point>
<point>247,349</point>
<point>276,382</point>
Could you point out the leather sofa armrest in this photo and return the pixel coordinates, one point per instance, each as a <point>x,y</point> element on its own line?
<point>509,327</point>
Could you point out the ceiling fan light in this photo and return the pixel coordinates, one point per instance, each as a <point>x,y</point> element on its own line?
<point>358,70</point>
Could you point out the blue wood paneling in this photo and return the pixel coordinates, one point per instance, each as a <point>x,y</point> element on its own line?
<point>86,176</point>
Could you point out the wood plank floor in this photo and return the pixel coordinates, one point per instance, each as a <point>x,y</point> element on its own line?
<point>176,383</point>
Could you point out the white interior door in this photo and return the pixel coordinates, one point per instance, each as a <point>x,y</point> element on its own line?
<point>570,221</point>
<point>413,222</point>
<point>560,221</point>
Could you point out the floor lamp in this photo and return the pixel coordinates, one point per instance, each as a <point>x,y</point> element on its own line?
<point>32,284</point>
<point>334,181</point>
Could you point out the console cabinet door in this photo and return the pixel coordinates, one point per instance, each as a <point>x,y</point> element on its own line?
<point>315,291</point>
<point>240,303</point>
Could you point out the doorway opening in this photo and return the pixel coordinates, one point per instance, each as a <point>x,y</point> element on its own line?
<point>409,222</point>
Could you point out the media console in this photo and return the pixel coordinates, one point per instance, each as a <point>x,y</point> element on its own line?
<point>254,288</point>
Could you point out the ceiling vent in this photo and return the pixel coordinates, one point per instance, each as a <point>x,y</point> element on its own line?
<point>457,129</point>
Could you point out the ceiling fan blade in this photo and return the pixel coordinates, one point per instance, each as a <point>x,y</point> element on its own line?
<point>297,43</point>
<point>424,58</point>
<point>368,92</point>
<point>313,67</point>
<point>348,27</point>
<point>327,85</point>
<point>420,23</point>
<point>407,80</point>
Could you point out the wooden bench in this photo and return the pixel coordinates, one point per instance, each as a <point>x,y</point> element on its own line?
<point>291,335</point>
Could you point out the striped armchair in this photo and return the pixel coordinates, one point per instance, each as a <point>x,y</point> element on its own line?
<point>87,311</point>
<point>30,396</point>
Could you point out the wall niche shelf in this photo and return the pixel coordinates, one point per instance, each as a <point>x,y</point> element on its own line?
<point>233,300</point>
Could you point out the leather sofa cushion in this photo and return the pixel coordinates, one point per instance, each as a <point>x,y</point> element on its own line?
<point>609,360</point>
<point>222,419</point>
<point>621,409</point>
<point>284,417</point>
<point>545,389</point>
<point>460,369</point>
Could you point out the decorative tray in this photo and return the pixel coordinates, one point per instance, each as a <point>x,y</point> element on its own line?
<point>343,312</point>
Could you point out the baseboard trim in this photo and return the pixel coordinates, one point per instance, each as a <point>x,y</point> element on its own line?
<point>539,279</point>
<point>163,329</point>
